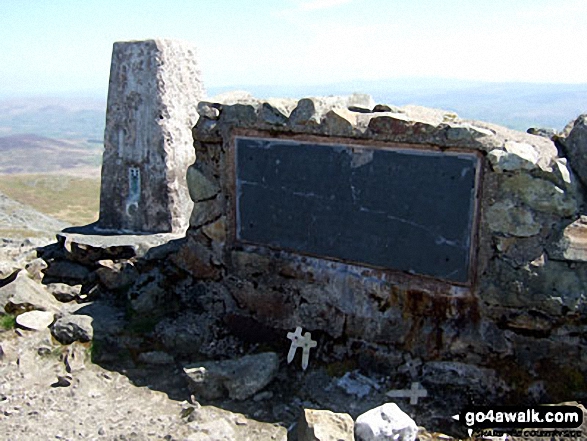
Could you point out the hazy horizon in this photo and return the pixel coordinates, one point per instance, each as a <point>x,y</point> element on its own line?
<point>64,46</point>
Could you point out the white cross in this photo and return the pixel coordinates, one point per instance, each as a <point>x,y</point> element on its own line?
<point>413,393</point>
<point>297,341</point>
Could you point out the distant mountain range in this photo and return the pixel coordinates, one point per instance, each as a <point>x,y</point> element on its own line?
<point>58,133</point>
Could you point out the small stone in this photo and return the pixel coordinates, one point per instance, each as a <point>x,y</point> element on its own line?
<point>63,381</point>
<point>205,212</point>
<point>63,292</point>
<point>199,186</point>
<point>207,110</point>
<point>572,245</point>
<point>384,423</point>
<point>216,230</point>
<point>305,113</point>
<point>388,125</point>
<point>75,357</point>
<point>465,132</point>
<point>271,115</point>
<point>35,269</point>
<point>382,108</point>
<point>324,425</point>
<point>35,320</point>
<point>508,218</point>
<point>116,276</point>
<point>337,122</point>
<point>72,328</point>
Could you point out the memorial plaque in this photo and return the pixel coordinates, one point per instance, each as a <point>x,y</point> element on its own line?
<point>394,208</point>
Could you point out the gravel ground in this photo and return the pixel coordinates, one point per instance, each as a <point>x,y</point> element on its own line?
<point>41,400</point>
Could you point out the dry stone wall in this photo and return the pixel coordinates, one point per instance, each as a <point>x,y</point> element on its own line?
<point>521,310</point>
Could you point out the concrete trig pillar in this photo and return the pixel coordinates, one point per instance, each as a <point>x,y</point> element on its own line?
<point>155,86</point>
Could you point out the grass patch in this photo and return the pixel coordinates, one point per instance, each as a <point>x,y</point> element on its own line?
<point>7,321</point>
<point>72,199</point>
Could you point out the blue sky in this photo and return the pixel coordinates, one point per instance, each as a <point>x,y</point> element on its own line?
<point>54,46</point>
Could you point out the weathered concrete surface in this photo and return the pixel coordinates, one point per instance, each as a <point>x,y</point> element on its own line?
<point>153,91</point>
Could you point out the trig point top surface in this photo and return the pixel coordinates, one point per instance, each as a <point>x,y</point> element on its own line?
<point>153,91</point>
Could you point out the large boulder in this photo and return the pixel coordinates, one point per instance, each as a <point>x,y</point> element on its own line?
<point>384,423</point>
<point>240,378</point>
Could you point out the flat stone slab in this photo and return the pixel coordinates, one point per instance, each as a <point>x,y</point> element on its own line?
<point>91,246</point>
<point>35,320</point>
<point>392,208</point>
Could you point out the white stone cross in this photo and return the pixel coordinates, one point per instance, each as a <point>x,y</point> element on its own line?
<point>413,393</point>
<point>297,341</point>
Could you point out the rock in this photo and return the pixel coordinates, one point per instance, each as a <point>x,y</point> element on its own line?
<point>35,320</point>
<point>572,245</point>
<point>196,259</point>
<point>337,122</point>
<point>68,271</point>
<point>465,132</point>
<point>35,268</point>
<point>384,423</point>
<point>541,195</point>
<point>116,276</point>
<point>72,328</point>
<point>545,133</point>
<point>516,156</point>
<point>23,294</point>
<point>305,113</point>
<point>206,211</point>
<point>156,357</point>
<point>63,381</point>
<point>509,218</point>
<point>270,114</point>
<point>8,271</point>
<point>241,378</point>
<point>63,292</point>
<point>207,110</point>
<point>154,89</point>
<point>216,230</point>
<point>199,186</point>
<point>149,294</point>
<point>75,358</point>
<point>575,147</point>
<point>244,114</point>
<point>324,425</point>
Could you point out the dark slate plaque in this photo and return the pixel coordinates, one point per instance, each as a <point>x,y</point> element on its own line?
<point>408,210</point>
